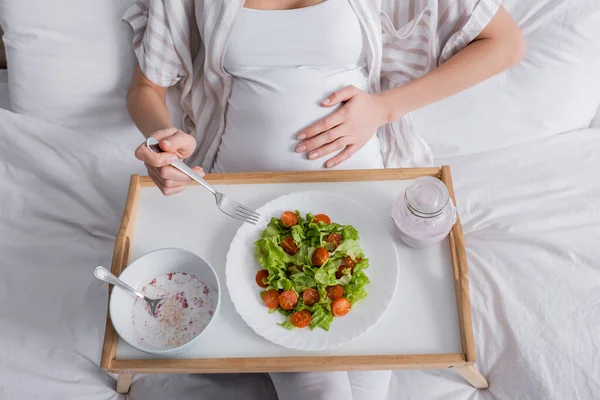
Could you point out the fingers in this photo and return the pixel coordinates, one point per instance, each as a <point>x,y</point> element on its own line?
<point>323,125</point>
<point>343,156</point>
<point>166,190</point>
<point>164,133</point>
<point>179,143</point>
<point>169,180</point>
<point>175,144</point>
<point>154,159</point>
<point>341,95</point>
<point>335,146</point>
<point>333,138</point>
<point>171,173</point>
<point>172,190</point>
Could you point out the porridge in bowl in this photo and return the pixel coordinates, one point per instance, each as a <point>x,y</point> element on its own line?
<point>186,310</point>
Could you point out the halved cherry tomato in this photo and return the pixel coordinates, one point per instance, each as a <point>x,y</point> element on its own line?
<point>260,275</point>
<point>288,300</point>
<point>271,298</point>
<point>335,292</point>
<point>340,307</point>
<point>311,297</point>
<point>340,272</point>
<point>289,219</point>
<point>334,239</point>
<point>301,319</point>
<point>322,218</point>
<point>289,246</point>
<point>320,256</point>
<point>349,262</point>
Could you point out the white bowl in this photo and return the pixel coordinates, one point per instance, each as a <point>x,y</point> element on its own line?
<point>139,274</point>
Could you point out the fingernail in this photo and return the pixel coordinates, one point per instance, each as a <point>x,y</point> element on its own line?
<point>329,164</point>
<point>166,143</point>
<point>312,156</point>
<point>301,136</point>
<point>326,101</point>
<point>171,160</point>
<point>301,149</point>
<point>202,174</point>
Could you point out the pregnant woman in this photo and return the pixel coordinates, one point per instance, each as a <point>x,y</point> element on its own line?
<point>280,85</point>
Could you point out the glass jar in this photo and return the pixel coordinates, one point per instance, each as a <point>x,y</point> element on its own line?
<point>424,213</point>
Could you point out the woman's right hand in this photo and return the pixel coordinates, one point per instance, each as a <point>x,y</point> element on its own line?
<point>176,145</point>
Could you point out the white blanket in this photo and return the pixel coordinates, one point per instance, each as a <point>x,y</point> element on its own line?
<point>531,216</point>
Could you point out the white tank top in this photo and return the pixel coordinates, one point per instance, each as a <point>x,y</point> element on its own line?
<point>284,64</point>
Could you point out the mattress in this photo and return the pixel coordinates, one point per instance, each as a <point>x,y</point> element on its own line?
<point>531,218</point>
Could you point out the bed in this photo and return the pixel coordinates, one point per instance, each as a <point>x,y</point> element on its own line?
<point>530,208</point>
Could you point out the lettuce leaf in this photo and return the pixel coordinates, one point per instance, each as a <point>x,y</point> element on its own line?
<point>303,281</point>
<point>296,272</point>
<point>350,248</point>
<point>363,264</point>
<point>321,318</point>
<point>287,324</point>
<point>302,257</point>
<point>349,233</point>
<point>298,234</point>
<point>284,284</point>
<point>355,290</point>
<point>273,229</point>
<point>323,278</point>
<point>345,279</point>
<point>268,252</point>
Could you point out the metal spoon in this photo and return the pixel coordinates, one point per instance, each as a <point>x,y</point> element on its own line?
<point>104,275</point>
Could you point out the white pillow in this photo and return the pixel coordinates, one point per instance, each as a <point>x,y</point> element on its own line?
<point>555,89</point>
<point>70,61</point>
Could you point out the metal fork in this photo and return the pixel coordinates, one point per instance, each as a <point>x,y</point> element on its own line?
<point>226,204</point>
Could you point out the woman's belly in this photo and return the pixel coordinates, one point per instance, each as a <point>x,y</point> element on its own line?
<point>263,119</point>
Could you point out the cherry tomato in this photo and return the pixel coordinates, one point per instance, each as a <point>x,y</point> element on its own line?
<point>311,297</point>
<point>260,275</point>
<point>349,262</point>
<point>319,256</point>
<point>322,218</point>
<point>271,298</point>
<point>289,246</point>
<point>301,319</point>
<point>335,292</point>
<point>288,300</point>
<point>340,307</point>
<point>289,219</point>
<point>340,272</point>
<point>334,239</point>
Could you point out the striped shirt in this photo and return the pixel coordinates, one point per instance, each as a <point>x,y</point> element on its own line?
<point>183,42</point>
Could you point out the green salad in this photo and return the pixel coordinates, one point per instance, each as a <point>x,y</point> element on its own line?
<point>312,269</point>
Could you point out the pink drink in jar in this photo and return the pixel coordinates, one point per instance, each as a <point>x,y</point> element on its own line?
<point>424,213</point>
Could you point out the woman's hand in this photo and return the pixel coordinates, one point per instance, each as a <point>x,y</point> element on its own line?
<point>176,145</point>
<point>348,129</point>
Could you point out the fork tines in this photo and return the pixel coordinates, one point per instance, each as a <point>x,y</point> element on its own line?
<point>246,214</point>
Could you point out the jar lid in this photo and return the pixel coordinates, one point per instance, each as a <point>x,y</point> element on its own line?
<point>426,197</point>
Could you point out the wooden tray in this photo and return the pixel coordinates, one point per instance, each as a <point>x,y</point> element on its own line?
<point>463,361</point>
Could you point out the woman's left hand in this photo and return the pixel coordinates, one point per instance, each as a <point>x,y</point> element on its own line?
<point>348,129</point>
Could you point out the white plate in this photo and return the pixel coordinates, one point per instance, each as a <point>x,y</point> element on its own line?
<point>140,272</point>
<point>376,242</point>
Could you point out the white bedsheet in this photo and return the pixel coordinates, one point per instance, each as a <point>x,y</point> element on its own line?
<point>4,100</point>
<point>531,216</point>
